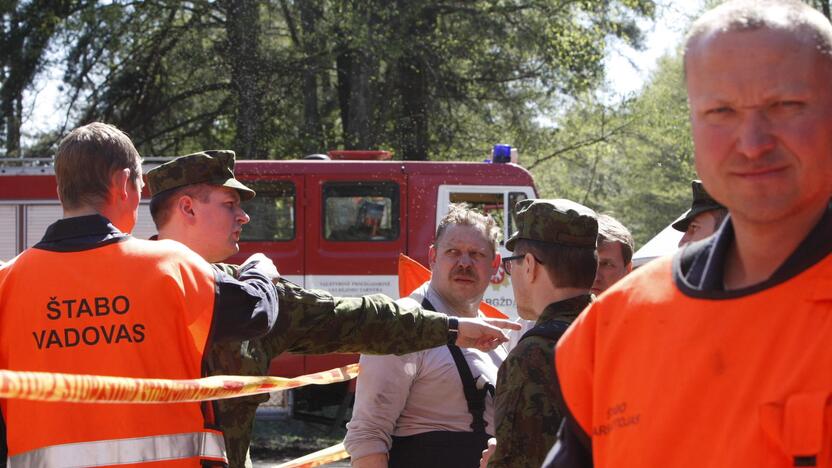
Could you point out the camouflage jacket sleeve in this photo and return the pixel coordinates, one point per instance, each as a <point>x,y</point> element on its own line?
<point>227,268</point>
<point>525,404</point>
<point>313,321</point>
<point>235,416</point>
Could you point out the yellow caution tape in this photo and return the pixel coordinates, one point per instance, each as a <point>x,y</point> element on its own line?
<point>321,457</point>
<point>45,386</point>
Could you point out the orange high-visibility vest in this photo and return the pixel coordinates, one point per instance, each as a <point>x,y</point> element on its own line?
<point>660,379</point>
<point>133,308</point>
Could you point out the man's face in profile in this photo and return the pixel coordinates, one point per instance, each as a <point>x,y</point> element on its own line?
<point>218,223</point>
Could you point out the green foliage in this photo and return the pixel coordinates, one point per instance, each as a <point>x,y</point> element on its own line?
<point>425,78</point>
<point>660,154</point>
<point>26,30</point>
<point>633,160</point>
<point>152,68</point>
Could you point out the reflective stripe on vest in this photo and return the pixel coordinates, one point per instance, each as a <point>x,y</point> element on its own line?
<point>125,451</point>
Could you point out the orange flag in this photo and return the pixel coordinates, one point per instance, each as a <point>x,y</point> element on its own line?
<point>412,275</point>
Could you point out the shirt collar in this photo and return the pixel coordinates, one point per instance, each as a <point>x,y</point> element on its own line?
<point>441,306</point>
<point>80,233</point>
<point>567,309</point>
<point>698,268</point>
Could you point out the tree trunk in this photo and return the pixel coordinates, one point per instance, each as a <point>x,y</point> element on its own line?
<point>30,28</point>
<point>313,139</point>
<point>355,101</point>
<point>12,89</point>
<point>360,103</point>
<point>414,90</point>
<point>343,65</point>
<point>357,66</point>
<point>13,81</point>
<point>412,124</point>
<point>243,29</point>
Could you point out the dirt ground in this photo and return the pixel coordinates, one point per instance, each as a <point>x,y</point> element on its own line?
<point>279,438</point>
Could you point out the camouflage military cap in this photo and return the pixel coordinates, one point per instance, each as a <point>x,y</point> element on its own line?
<point>702,202</point>
<point>215,167</point>
<point>556,221</point>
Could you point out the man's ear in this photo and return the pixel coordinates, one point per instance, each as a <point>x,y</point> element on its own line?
<point>532,267</point>
<point>119,184</point>
<point>630,267</point>
<point>432,255</point>
<point>185,207</point>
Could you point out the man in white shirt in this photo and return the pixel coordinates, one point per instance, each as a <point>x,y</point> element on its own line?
<point>434,408</point>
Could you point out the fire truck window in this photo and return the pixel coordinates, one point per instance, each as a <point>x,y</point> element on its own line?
<point>272,212</point>
<point>361,211</point>
<point>486,203</point>
<point>513,198</point>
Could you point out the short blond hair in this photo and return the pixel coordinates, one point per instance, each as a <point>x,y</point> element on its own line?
<point>462,214</point>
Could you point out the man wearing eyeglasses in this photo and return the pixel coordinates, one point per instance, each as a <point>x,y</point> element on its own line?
<point>552,271</point>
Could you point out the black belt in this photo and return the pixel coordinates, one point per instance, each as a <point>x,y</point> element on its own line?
<point>438,449</point>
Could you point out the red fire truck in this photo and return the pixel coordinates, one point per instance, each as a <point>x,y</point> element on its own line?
<point>337,225</point>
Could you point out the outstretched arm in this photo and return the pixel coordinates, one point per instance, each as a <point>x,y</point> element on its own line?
<point>313,321</point>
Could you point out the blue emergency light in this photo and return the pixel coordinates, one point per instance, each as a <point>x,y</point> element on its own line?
<point>501,153</point>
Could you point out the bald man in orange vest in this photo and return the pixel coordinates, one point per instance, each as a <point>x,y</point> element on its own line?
<point>720,356</point>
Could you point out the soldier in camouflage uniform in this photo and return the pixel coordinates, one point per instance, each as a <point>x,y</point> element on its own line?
<point>196,201</point>
<point>551,272</point>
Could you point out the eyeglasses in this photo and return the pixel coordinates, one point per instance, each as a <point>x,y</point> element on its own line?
<point>507,262</point>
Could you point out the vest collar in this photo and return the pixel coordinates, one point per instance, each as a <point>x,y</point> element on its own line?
<point>698,268</point>
<point>80,233</point>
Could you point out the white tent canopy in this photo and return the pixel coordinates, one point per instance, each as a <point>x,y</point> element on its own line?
<point>664,243</point>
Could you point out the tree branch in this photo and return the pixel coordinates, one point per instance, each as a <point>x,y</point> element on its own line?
<point>581,144</point>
